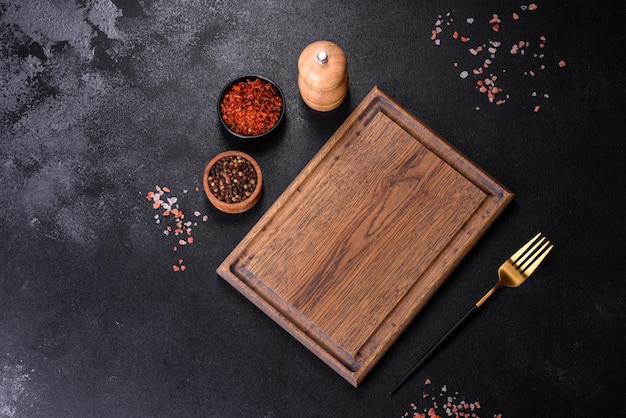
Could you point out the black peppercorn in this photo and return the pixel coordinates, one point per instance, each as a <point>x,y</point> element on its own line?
<point>232,179</point>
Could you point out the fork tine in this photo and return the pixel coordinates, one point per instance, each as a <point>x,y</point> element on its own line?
<point>522,263</point>
<point>515,258</point>
<point>543,252</point>
<point>528,258</point>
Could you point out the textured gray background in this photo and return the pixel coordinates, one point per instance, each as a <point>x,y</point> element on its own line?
<point>101,100</point>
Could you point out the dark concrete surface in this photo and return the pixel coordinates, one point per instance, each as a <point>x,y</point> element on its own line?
<point>103,100</point>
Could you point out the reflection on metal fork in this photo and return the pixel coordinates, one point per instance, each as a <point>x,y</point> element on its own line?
<point>514,271</point>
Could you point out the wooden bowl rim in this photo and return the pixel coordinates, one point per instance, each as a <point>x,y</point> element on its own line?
<point>239,206</point>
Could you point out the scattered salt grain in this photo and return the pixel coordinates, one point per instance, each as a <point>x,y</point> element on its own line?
<point>524,48</point>
<point>173,216</point>
<point>446,405</point>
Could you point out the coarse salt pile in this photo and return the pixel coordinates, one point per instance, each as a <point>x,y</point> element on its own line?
<point>487,51</point>
<point>170,213</point>
<point>445,405</point>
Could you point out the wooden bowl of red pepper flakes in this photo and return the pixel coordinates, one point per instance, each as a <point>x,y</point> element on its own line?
<point>251,107</point>
<point>233,181</point>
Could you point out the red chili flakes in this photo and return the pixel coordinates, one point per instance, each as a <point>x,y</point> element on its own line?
<point>251,107</point>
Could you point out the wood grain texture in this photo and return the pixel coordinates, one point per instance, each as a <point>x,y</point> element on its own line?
<point>364,236</point>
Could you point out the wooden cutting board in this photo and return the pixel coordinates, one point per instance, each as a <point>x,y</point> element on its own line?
<point>365,234</point>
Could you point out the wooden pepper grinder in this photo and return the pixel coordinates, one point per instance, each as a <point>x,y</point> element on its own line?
<point>323,75</point>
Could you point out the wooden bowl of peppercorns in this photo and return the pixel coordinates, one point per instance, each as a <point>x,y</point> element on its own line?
<point>233,181</point>
<point>251,107</point>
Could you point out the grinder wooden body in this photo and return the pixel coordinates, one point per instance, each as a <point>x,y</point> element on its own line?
<point>322,75</point>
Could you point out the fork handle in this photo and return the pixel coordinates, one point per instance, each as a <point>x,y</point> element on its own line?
<point>433,349</point>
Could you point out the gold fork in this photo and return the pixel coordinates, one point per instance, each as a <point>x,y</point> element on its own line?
<point>512,273</point>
